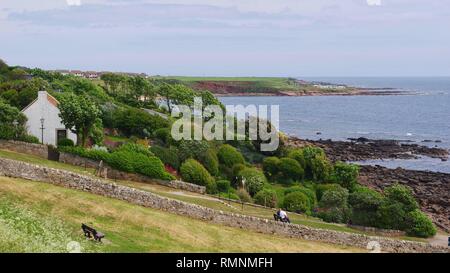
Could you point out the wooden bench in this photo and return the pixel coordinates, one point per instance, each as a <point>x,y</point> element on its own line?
<point>91,232</point>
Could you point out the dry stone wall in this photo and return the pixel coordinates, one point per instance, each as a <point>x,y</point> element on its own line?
<point>12,168</point>
<point>24,147</point>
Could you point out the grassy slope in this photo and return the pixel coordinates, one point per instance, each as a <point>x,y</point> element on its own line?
<point>39,217</point>
<point>191,197</point>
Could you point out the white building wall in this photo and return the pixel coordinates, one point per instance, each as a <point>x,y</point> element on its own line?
<point>43,108</point>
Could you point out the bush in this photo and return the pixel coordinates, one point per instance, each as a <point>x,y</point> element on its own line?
<point>135,148</point>
<point>93,154</point>
<point>65,142</point>
<point>229,156</point>
<point>230,195</point>
<point>132,121</point>
<point>266,197</point>
<point>321,168</point>
<point>297,202</point>
<point>403,195</point>
<point>308,192</point>
<point>322,188</point>
<point>223,185</point>
<point>254,180</point>
<point>270,167</point>
<point>150,166</point>
<point>29,139</point>
<point>290,170</point>
<point>333,206</point>
<point>398,202</point>
<point>346,175</point>
<point>210,161</point>
<point>168,156</point>
<point>194,172</point>
<point>244,196</point>
<point>164,135</point>
<point>298,155</point>
<point>191,149</point>
<point>419,225</point>
<point>365,203</point>
<point>123,160</point>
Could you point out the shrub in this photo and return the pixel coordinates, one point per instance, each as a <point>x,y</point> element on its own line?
<point>306,191</point>
<point>297,202</point>
<point>132,121</point>
<point>168,156</point>
<point>290,170</point>
<point>322,188</point>
<point>122,160</point>
<point>298,155</point>
<point>150,166</point>
<point>270,167</point>
<point>210,161</point>
<point>398,202</point>
<point>333,206</point>
<point>194,172</point>
<point>321,168</point>
<point>266,197</point>
<point>223,185</point>
<point>254,180</point>
<point>135,148</point>
<point>244,196</point>
<point>419,225</point>
<point>365,203</point>
<point>93,154</point>
<point>29,139</point>
<point>164,135</point>
<point>403,195</point>
<point>192,149</point>
<point>345,175</point>
<point>65,142</point>
<point>230,195</point>
<point>229,156</point>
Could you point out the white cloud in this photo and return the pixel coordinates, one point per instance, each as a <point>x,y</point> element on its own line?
<point>74,2</point>
<point>374,2</point>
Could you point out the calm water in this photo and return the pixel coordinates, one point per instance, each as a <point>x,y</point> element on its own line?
<point>421,117</point>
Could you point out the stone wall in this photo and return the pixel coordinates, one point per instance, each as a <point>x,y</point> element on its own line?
<point>24,147</point>
<point>67,179</point>
<point>111,173</point>
<point>380,232</point>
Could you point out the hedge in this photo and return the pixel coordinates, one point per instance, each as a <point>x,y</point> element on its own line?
<point>297,202</point>
<point>194,172</point>
<point>229,156</point>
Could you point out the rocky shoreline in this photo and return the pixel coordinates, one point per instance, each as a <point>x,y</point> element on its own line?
<point>357,92</point>
<point>432,189</point>
<point>367,149</point>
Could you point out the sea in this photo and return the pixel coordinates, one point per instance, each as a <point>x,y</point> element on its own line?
<point>421,115</point>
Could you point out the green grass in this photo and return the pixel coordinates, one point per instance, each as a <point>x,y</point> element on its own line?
<point>40,217</point>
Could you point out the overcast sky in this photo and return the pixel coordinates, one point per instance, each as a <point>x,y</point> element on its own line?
<point>230,37</point>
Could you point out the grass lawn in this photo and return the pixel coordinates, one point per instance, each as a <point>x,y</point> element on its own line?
<point>39,217</point>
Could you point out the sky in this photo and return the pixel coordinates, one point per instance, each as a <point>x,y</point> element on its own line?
<point>230,37</point>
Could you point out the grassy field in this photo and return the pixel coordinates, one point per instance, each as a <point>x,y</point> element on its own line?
<point>39,217</point>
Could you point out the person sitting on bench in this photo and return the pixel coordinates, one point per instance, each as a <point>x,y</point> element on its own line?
<point>281,215</point>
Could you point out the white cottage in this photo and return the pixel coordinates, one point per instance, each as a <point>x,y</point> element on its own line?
<point>44,121</point>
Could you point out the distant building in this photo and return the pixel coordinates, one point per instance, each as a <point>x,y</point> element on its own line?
<point>44,121</point>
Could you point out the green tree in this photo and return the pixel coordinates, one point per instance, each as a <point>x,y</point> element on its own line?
<point>270,167</point>
<point>290,170</point>
<point>79,114</point>
<point>346,175</point>
<point>12,122</point>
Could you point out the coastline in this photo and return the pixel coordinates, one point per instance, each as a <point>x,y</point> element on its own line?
<point>358,92</point>
<point>432,189</point>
